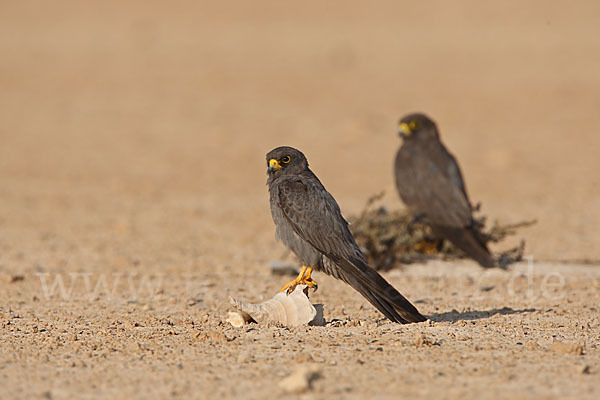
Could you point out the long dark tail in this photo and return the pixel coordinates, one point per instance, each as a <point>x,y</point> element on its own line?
<point>378,291</point>
<point>468,241</point>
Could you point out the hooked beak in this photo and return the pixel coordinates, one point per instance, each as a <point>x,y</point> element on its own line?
<point>273,165</point>
<point>404,130</point>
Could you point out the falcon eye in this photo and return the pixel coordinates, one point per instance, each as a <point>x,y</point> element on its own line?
<point>414,124</point>
<point>285,159</point>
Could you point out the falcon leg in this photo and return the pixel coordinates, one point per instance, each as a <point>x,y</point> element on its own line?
<point>303,278</point>
<point>308,281</point>
<point>427,247</point>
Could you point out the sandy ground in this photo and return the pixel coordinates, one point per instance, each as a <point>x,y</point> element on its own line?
<point>132,171</point>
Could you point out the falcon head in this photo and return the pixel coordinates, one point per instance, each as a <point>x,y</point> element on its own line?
<point>285,160</point>
<point>417,126</point>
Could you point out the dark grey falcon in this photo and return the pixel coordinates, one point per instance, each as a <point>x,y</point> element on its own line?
<point>431,185</point>
<point>309,222</point>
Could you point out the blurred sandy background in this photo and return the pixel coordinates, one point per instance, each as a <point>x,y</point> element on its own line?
<point>133,134</point>
<point>187,97</point>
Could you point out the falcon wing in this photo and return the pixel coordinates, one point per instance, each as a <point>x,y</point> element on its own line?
<point>316,218</point>
<point>430,183</point>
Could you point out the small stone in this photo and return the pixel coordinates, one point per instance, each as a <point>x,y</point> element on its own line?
<point>237,319</point>
<point>421,341</point>
<point>245,357</point>
<point>211,337</point>
<point>279,267</point>
<point>301,379</point>
<point>586,370</point>
<point>532,346</point>
<point>567,348</point>
<point>303,358</point>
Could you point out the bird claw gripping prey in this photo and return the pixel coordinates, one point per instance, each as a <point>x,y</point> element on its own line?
<point>303,278</point>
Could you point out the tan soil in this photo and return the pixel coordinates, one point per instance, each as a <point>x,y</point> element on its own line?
<point>132,151</point>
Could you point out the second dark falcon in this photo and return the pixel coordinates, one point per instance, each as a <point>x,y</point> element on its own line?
<point>431,185</point>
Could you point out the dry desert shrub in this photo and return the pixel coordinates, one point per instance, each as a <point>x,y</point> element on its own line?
<point>392,237</point>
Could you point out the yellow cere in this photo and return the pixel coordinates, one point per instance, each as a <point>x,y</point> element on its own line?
<point>404,128</point>
<point>273,163</point>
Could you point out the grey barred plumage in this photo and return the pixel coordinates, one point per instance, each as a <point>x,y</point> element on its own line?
<point>308,220</point>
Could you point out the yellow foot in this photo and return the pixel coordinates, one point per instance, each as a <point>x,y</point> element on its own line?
<point>303,278</point>
<point>427,247</point>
